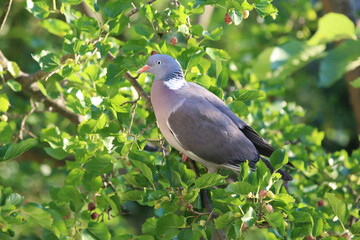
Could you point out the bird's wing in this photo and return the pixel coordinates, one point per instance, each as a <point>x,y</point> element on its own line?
<point>201,128</point>
<point>263,147</point>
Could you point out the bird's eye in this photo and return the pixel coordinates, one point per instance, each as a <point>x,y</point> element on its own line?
<point>158,62</point>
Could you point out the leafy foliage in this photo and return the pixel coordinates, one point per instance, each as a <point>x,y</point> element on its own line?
<point>105,172</point>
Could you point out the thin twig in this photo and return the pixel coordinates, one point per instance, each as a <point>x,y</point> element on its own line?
<point>135,9</point>
<point>127,102</point>
<point>132,116</point>
<point>107,182</point>
<point>5,14</point>
<point>22,126</point>
<point>133,81</point>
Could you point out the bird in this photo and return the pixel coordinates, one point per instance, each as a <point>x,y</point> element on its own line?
<point>200,125</point>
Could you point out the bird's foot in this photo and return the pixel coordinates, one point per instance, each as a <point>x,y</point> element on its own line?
<point>184,157</point>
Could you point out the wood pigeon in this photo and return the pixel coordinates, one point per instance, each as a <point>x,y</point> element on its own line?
<point>199,124</point>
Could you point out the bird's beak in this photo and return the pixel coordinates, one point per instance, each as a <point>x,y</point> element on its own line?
<point>143,69</point>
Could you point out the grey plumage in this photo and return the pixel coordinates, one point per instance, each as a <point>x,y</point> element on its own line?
<point>199,124</point>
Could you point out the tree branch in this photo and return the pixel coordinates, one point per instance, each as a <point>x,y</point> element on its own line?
<point>133,81</point>
<point>5,14</point>
<point>27,80</point>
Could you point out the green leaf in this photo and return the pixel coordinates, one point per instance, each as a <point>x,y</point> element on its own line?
<point>249,216</point>
<point>244,94</point>
<point>52,135</point>
<point>318,226</point>
<point>76,201</point>
<point>99,230</point>
<point>92,125</point>
<point>299,232</point>
<point>39,9</point>
<point>115,8</point>
<point>5,132</point>
<point>278,159</point>
<point>49,62</point>
<point>286,198</point>
<point>239,108</point>
<point>100,164</point>
<point>132,195</point>
<point>149,227</point>
<point>215,53</point>
<point>13,68</point>
<point>197,30</point>
<point>236,16</point>
<point>57,153</point>
<point>56,26</point>
<point>344,58</point>
<point>303,217</point>
<point>214,35</point>
<point>290,57</point>
<point>224,220</point>
<point>356,83</point>
<point>38,215</point>
<point>144,169</point>
<point>333,27</point>
<point>4,103</point>
<point>209,180</point>
<point>168,226</point>
<point>265,8</point>
<point>14,85</point>
<point>144,31</point>
<point>87,24</point>
<point>72,2</point>
<point>355,228</point>
<point>241,188</point>
<point>14,150</point>
<point>338,207</point>
<point>276,220</point>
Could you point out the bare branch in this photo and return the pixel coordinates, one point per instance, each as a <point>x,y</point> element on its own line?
<point>5,14</point>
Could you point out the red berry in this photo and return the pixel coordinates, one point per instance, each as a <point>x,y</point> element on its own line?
<point>321,203</point>
<point>94,215</point>
<point>173,41</point>
<point>269,208</point>
<point>154,52</point>
<point>228,19</point>
<point>309,238</point>
<point>91,206</point>
<point>346,235</point>
<point>263,194</point>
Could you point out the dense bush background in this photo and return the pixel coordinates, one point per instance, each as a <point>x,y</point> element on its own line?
<point>75,118</point>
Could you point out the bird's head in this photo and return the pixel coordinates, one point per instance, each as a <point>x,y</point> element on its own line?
<point>161,66</point>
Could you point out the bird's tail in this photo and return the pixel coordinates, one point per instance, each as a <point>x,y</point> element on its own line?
<point>284,175</point>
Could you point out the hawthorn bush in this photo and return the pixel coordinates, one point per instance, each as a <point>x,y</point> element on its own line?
<point>100,168</point>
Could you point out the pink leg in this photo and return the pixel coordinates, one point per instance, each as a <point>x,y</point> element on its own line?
<point>184,157</point>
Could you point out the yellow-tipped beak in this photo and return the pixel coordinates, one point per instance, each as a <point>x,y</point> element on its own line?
<point>143,69</point>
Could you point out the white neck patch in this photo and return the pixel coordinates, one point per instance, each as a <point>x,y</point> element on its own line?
<point>175,83</point>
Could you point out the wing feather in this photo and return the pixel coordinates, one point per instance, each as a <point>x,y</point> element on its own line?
<point>204,130</point>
